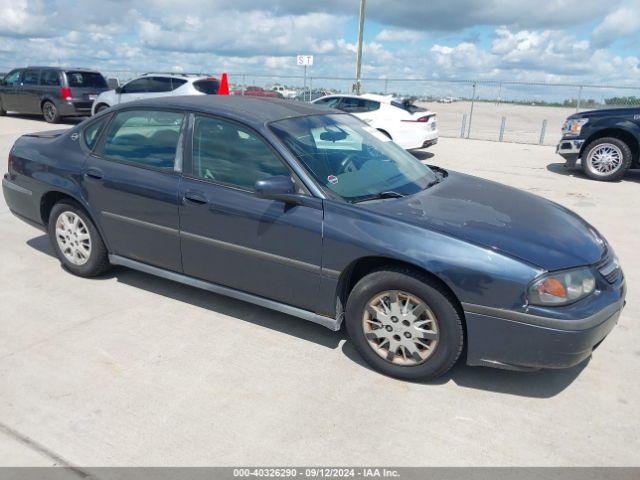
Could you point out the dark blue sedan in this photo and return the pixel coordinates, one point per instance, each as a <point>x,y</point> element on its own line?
<point>311,212</point>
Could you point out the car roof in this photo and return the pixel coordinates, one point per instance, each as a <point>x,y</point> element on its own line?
<point>247,109</point>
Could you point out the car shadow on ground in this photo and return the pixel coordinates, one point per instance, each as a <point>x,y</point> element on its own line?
<point>561,169</point>
<point>540,384</point>
<point>422,155</point>
<point>64,121</point>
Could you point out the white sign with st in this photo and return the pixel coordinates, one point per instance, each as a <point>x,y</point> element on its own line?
<point>305,60</point>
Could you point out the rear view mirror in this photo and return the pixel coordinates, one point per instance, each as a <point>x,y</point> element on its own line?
<point>118,89</point>
<point>333,136</point>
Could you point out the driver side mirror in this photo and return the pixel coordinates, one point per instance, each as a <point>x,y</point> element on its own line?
<point>279,187</point>
<point>118,90</point>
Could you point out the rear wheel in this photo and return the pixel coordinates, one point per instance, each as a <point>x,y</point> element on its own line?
<point>3,112</point>
<point>606,159</point>
<point>76,240</point>
<point>50,112</point>
<point>404,324</point>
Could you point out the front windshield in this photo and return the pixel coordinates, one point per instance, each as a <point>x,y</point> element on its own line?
<point>352,159</point>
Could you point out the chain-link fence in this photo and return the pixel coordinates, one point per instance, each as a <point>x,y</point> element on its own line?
<point>509,111</point>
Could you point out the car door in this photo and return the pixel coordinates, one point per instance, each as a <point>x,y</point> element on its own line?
<point>28,94</point>
<point>134,90</point>
<point>9,90</point>
<point>132,186</point>
<point>231,237</point>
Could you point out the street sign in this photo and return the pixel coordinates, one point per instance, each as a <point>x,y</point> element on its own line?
<point>305,60</point>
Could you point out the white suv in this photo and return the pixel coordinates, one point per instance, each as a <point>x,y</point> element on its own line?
<point>152,85</point>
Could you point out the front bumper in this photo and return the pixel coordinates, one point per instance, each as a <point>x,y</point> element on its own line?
<point>569,149</point>
<point>514,341</point>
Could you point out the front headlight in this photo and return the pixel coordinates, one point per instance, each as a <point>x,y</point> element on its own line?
<point>561,288</point>
<point>574,126</point>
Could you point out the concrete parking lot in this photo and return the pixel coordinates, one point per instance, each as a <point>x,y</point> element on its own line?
<point>129,369</point>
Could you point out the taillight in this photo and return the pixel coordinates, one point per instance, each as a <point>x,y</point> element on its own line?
<point>10,162</point>
<point>66,93</point>
<point>424,119</point>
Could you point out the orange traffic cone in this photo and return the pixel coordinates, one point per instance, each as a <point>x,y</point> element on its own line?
<point>224,85</point>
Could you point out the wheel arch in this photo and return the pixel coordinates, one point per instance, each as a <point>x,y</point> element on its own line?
<point>52,197</point>
<point>361,267</point>
<point>621,134</point>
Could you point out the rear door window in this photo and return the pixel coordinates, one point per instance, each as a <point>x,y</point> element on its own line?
<point>50,78</point>
<point>209,86</point>
<point>358,105</point>
<point>328,102</point>
<point>147,138</point>
<point>86,79</point>
<point>177,83</point>
<point>159,84</point>
<point>31,77</point>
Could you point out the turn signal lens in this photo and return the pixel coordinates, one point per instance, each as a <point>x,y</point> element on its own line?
<point>562,288</point>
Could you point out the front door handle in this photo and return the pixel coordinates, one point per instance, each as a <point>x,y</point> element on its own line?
<point>93,174</point>
<point>195,197</point>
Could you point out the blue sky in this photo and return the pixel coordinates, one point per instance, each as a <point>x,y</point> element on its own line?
<point>574,41</point>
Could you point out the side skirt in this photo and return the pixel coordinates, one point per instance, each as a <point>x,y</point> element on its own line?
<point>330,323</point>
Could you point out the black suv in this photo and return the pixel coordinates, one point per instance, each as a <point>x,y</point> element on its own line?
<point>607,142</point>
<point>50,91</point>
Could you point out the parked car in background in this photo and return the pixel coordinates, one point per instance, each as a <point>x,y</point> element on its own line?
<point>309,211</point>
<point>253,91</point>
<point>284,91</point>
<point>152,85</point>
<point>310,96</point>
<point>605,142</point>
<point>51,91</point>
<point>403,122</point>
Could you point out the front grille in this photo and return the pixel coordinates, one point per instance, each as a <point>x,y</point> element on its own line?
<point>610,269</point>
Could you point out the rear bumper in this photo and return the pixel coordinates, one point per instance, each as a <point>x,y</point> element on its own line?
<point>510,343</point>
<point>20,202</point>
<point>75,108</point>
<point>569,149</point>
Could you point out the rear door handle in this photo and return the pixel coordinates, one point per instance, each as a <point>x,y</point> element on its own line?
<point>195,197</point>
<point>93,174</point>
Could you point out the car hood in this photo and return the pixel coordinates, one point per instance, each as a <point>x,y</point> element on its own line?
<point>499,217</point>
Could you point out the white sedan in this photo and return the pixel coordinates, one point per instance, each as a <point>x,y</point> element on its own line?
<point>407,125</point>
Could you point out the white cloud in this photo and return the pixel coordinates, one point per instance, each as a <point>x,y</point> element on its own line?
<point>399,35</point>
<point>623,22</point>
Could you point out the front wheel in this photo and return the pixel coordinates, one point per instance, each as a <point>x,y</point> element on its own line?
<point>101,108</point>
<point>404,324</point>
<point>50,112</point>
<point>76,240</point>
<point>606,159</point>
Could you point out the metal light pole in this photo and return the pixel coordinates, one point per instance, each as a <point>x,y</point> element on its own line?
<point>359,54</point>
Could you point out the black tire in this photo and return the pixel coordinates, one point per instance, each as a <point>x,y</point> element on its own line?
<point>50,112</point>
<point>3,112</point>
<point>439,300</point>
<point>101,108</point>
<point>98,260</point>
<point>590,170</point>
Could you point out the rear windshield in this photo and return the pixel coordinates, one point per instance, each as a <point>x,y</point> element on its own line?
<point>408,106</point>
<point>210,86</point>
<point>86,79</point>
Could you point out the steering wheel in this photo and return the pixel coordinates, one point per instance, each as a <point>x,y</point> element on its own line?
<point>347,165</point>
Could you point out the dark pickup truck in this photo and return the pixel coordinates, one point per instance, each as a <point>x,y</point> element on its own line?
<point>606,142</point>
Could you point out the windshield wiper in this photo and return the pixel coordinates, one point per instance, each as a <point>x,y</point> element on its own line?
<point>385,194</point>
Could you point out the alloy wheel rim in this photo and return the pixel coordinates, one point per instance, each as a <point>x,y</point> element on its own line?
<point>400,327</point>
<point>605,159</point>
<point>49,111</point>
<point>73,238</point>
